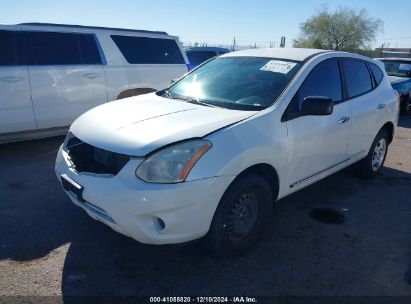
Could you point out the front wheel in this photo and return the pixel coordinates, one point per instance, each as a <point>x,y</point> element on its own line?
<point>241,217</point>
<point>406,107</point>
<point>372,164</point>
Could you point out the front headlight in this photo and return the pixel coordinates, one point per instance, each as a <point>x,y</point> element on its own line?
<point>172,164</point>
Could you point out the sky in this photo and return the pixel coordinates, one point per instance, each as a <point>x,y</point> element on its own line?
<point>213,21</point>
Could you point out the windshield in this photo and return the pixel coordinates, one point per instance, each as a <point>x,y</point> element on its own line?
<point>243,83</point>
<point>398,68</point>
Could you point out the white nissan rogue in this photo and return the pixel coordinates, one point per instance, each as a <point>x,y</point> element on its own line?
<point>208,156</point>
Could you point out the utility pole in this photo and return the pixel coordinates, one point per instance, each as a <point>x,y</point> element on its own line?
<point>234,44</point>
<point>282,43</point>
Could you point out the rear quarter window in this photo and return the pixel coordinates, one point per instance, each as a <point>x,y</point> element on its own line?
<point>377,73</point>
<point>357,77</point>
<point>143,50</point>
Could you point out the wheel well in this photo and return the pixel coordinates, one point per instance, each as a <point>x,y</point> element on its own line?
<point>389,127</point>
<point>268,173</point>
<point>135,92</point>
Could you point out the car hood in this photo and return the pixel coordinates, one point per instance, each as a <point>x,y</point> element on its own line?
<point>138,125</point>
<point>397,80</point>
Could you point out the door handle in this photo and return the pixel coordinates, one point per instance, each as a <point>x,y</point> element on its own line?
<point>380,106</point>
<point>91,75</point>
<point>11,79</point>
<point>343,120</point>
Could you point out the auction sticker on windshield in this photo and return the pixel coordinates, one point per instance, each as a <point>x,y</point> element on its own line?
<point>278,66</point>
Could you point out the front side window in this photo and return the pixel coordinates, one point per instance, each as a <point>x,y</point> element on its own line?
<point>324,80</point>
<point>237,82</point>
<point>52,48</point>
<point>398,68</point>
<point>357,77</point>
<point>13,49</point>
<point>198,57</point>
<point>143,50</point>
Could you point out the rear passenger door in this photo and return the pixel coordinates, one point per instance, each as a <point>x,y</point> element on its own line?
<point>67,77</point>
<point>364,105</point>
<point>16,110</point>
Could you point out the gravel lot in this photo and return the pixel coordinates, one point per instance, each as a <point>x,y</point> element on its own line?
<point>48,246</point>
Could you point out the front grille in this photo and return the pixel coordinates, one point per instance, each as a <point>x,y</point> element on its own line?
<point>87,158</point>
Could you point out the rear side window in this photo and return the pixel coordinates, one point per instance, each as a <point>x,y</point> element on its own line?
<point>13,48</point>
<point>197,57</point>
<point>324,80</point>
<point>357,77</point>
<point>378,75</point>
<point>54,48</point>
<point>51,48</point>
<point>89,51</point>
<point>143,50</point>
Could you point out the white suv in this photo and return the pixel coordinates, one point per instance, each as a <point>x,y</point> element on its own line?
<point>50,74</point>
<point>209,155</point>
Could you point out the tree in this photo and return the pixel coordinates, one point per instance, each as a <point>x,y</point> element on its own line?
<point>343,29</point>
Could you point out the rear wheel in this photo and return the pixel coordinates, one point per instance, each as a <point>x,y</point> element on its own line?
<point>241,217</point>
<point>372,164</point>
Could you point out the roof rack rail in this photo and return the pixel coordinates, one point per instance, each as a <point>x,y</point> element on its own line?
<point>92,27</point>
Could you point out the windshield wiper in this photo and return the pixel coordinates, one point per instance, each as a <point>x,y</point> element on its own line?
<point>191,100</point>
<point>168,94</point>
<point>198,102</point>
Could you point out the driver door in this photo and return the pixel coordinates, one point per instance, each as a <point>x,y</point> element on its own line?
<point>317,144</point>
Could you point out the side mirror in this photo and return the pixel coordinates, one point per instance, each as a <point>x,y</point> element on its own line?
<point>317,105</point>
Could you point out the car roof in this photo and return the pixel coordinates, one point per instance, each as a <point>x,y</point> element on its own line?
<point>297,54</point>
<point>206,48</point>
<point>90,27</point>
<point>394,59</point>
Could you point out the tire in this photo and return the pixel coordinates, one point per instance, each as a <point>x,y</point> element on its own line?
<point>370,166</point>
<point>241,217</point>
<point>407,105</point>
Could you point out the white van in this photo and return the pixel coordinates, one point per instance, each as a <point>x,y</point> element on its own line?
<point>52,73</point>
